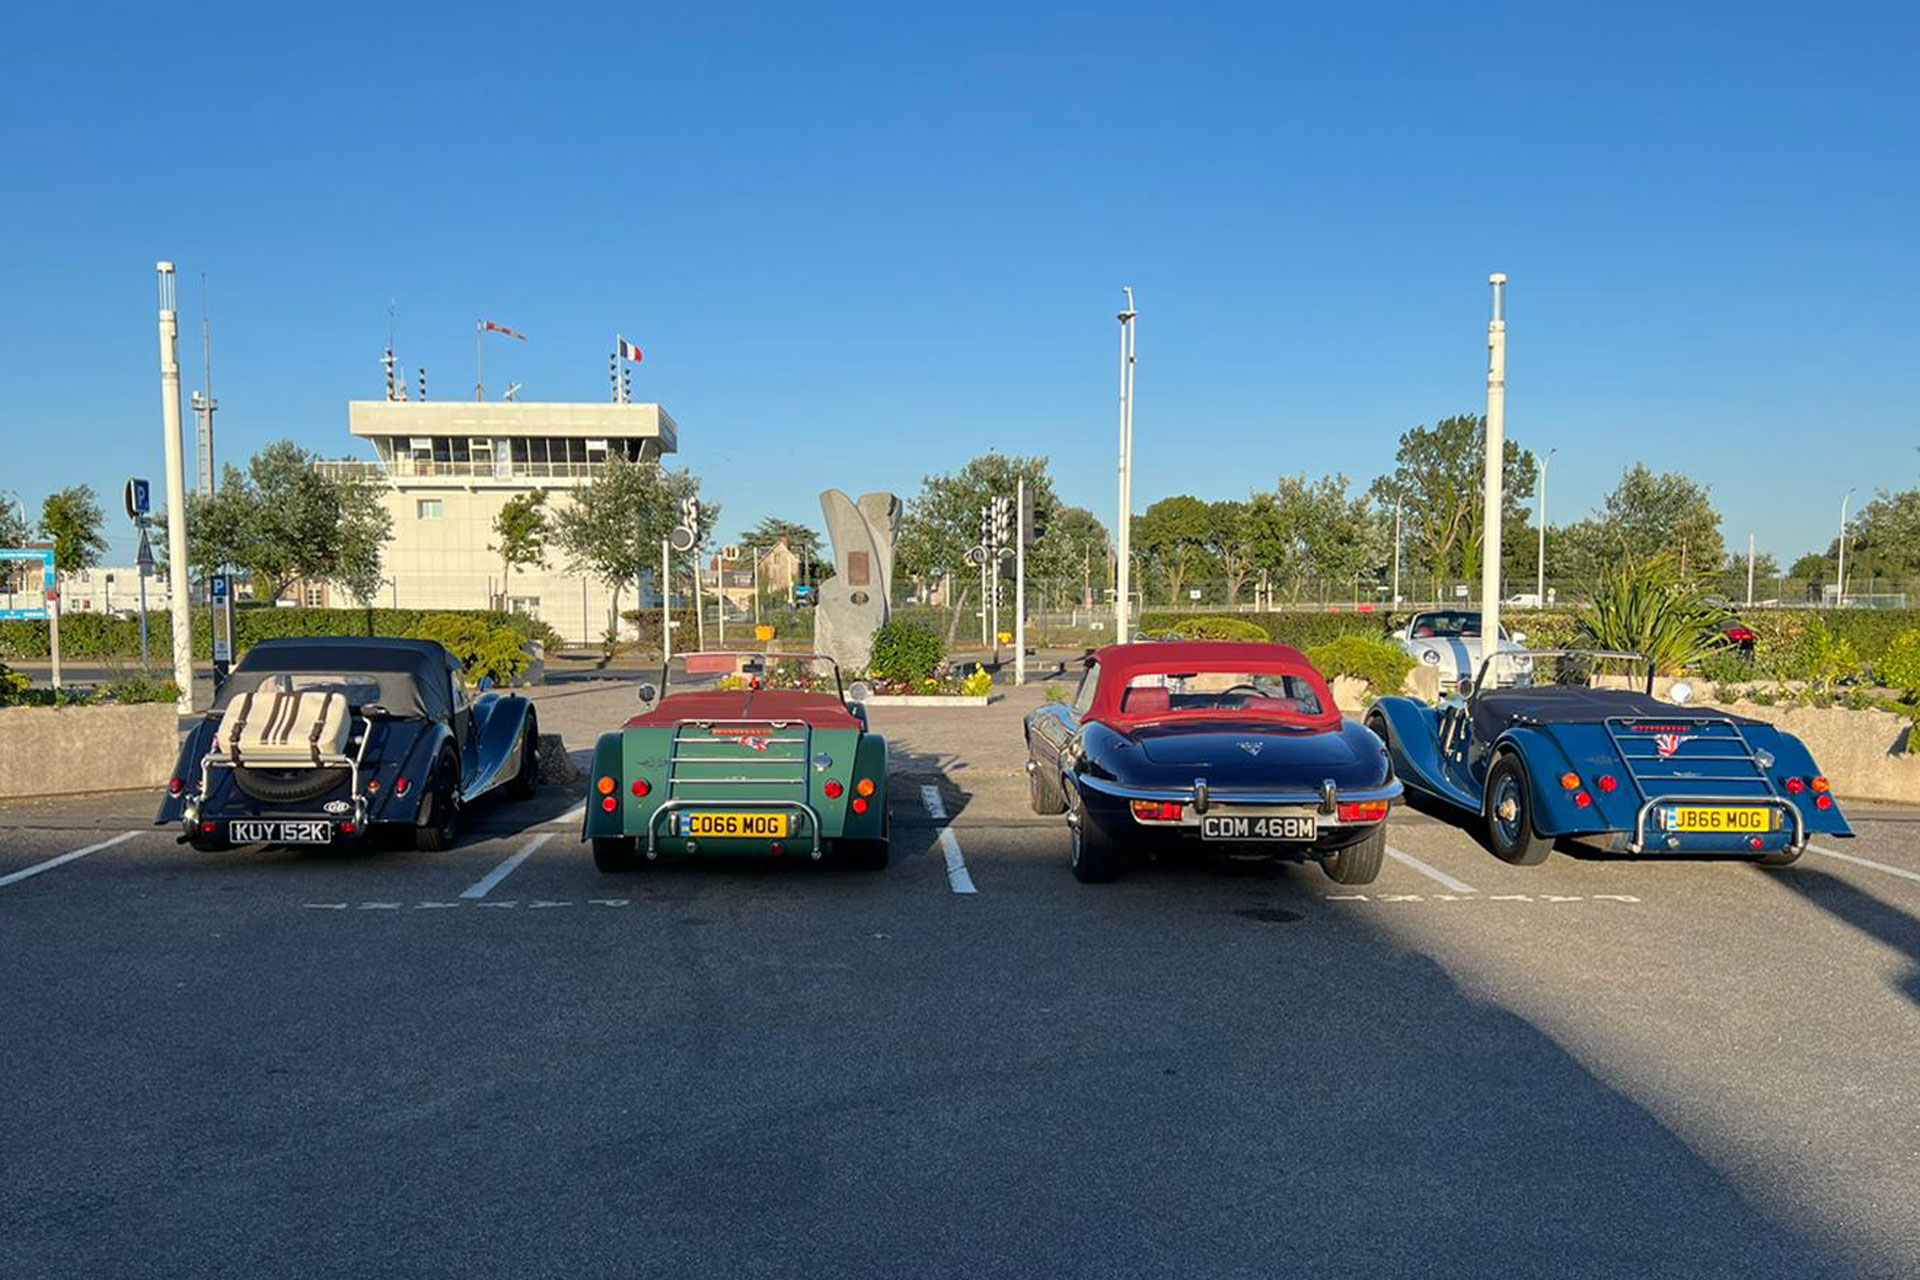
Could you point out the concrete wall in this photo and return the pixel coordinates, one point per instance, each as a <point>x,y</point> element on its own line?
<point>50,751</point>
<point>1863,753</point>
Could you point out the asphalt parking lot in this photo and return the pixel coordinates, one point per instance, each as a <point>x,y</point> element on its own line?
<point>498,1062</point>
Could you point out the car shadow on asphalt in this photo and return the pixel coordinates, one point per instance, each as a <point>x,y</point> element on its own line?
<point>1878,919</point>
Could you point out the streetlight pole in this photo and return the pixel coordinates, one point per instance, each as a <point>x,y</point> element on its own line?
<point>1396,557</point>
<point>1840,572</point>
<point>1491,543</point>
<point>1540,556</point>
<point>1124,530</point>
<point>179,611</point>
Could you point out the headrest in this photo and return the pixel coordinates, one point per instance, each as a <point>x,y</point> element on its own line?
<point>1146,701</point>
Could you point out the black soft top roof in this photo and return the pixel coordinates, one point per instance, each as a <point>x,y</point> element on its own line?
<point>1495,709</point>
<point>413,675</point>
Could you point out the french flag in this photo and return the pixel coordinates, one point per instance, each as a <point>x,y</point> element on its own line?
<point>629,352</point>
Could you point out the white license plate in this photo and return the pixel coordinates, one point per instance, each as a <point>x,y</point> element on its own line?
<point>280,832</point>
<point>1231,827</point>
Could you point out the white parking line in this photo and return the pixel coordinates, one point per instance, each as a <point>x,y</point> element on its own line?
<point>505,869</point>
<point>569,817</point>
<point>957,878</point>
<point>1902,872</point>
<point>64,859</point>
<point>1433,873</point>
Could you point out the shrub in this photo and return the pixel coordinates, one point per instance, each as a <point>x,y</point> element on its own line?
<point>485,649</point>
<point>1383,666</point>
<point>1725,666</point>
<point>132,690</point>
<point>906,652</point>
<point>14,687</point>
<point>1645,607</point>
<point>1899,666</point>
<point>1820,657</point>
<point>977,685</point>
<point>1220,628</point>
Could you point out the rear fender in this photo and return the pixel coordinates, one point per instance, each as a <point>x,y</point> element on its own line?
<point>1414,746</point>
<point>500,721</point>
<point>608,762</point>
<point>1546,757</point>
<point>869,762</point>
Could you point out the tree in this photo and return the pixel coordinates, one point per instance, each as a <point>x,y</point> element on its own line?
<point>1230,542</point>
<point>1439,482</point>
<point>1646,516</point>
<point>943,521</point>
<point>71,520</point>
<point>14,529</point>
<point>1172,537</point>
<point>1884,539</point>
<point>522,529</point>
<point>284,522</point>
<point>772,531</point>
<point>1069,558</point>
<point>616,522</point>
<point>1309,530</point>
<point>1812,567</point>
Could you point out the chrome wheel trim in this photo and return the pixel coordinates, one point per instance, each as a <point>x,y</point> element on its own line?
<point>1507,815</point>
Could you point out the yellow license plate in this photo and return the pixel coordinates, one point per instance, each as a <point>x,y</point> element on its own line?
<point>1721,820</point>
<point>747,826</point>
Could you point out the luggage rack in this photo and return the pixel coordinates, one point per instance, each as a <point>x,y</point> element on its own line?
<point>1636,739</point>
<point>685,792</point>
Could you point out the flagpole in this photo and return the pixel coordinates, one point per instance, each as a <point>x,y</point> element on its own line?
<point>480,359</point>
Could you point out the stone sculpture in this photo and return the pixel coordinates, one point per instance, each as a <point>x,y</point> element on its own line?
<point>858,599</point>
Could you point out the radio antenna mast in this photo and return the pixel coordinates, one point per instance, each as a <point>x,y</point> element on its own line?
<point>203,402</point>
<point>396,378</point>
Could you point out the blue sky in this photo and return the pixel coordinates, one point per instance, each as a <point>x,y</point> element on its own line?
<point>864,242</point>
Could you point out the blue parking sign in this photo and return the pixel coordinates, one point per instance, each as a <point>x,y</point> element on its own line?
<point>219,587</point>
<point>139,500</point>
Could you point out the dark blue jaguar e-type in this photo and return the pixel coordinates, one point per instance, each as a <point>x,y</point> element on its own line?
<point>1549,744</point>
<point>1232,744</point>
<point>320,740</point>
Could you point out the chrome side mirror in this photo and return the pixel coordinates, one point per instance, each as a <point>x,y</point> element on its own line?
<point>859,691</point>
<point>1681,693</point>
<point>649,695</point>
<point>1466,687</point>
<point>486,684</point>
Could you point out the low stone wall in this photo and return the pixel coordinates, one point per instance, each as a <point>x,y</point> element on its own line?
<point>51,751</point>
<point>1864,753</point>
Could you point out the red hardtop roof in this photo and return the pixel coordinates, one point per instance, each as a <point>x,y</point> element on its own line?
<point>1120,663</point>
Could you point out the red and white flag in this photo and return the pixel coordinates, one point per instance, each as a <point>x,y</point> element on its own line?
<point>490,327</point>
<point>629,352</point>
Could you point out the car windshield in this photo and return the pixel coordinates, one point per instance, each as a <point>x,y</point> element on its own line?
<point>1175,693</point>
<point>1578,669</point>
<point>728,672</point>
<point>1449,624</point>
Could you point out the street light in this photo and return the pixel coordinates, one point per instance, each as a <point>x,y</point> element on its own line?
<point>1540,556</point>
<point>1125,527</point>
<point>1840,571</point>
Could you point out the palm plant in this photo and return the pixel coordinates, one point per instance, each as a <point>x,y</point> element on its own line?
<point>1646,607</point>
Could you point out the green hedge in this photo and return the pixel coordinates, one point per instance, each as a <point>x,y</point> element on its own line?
<point>96,635</point>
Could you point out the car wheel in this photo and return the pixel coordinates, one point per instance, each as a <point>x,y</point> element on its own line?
<point>616,853</point>
<point>1779,858</point>
<point>440,815</point>
<point>1095,858</point>
<point>1359,862</point>
<point>1510,830</point>
<point>207,844</point>
<point>1042,792</point>
<point>527,780</point>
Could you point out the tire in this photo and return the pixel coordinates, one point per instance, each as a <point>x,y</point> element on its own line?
<point>1378,726</point>
<point>1094,857</point>
<point>286,786</point>
<point>1043,792</point>
<point>207,844</point>
<point>863,855</point>
<point>1359,862</point>
<point>1513,838</point>
<point>527,780</point>
<point>613,854</point>
<point>440,815</point>
<point>1779,858</point>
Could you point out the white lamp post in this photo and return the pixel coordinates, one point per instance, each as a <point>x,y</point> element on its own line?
<point>1840,572</point>
<point>1540,556</point>
<point>1491,543</point>
<point>1124,530</point>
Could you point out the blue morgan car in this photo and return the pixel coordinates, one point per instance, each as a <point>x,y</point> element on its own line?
<point>1550,746</point>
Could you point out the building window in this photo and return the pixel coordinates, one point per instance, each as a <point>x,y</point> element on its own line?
<point>529,605</point>
<point>314,595</point>
<point>430,509</point>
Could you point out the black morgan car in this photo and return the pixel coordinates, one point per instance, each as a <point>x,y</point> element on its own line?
<point>323,740</point>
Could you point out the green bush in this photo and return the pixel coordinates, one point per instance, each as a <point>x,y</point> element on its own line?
<point>132,690</point>
<point>1645,607</point>
<point>484,648</point>
<point>1899,667</point>
<point>1818,655</point>
<point>1383,665</point>
<point>906,652</point>
<point>1220,628</point>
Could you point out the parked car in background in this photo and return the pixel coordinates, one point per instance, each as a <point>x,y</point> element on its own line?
<point>1737,636</point>
<point>328,739</point>
<point>745,754</point>
<point>1450,641</point>
<point>1583,748</point>
<point>1231,744</point>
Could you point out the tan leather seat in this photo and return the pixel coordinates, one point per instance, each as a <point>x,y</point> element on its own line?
<point>284,728</point>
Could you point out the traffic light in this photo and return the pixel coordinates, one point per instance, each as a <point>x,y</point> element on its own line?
<point>613,376</point>
<point>690,516</point>
<point>1002,521</point>
<point>986,526</point>
<point>1029,522</point>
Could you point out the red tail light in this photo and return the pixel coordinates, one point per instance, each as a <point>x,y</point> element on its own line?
<point>1158,810</point>
<point>401,786</point>
<point>1823,802</point>
<point>1796,785</point>
<point>208,828</point>
<point>175,787</point>
<point>1740,635</point>
<point>833,790</point>
<point>1609,783</point>
<point>347,828</point>
<point>859,804</point>
<point>609,804</point>
<point>640,787</point>
<point>779,847</point>
<point>1582,799</point>
<point>1755,842</point>
<point>1362,810</point>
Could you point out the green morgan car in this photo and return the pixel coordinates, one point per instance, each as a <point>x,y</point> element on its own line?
<point>748,754</point>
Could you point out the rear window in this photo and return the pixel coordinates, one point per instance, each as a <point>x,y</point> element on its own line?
<point>1198,692</point>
